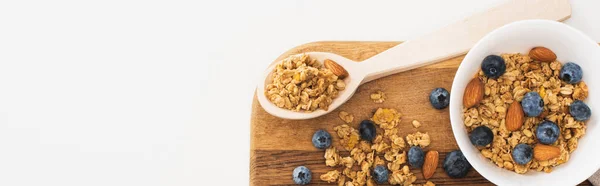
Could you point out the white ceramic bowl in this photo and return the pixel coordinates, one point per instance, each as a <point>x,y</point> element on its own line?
<point>570,45</point>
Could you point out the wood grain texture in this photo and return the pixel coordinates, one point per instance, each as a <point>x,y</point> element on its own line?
<point>277,145</point>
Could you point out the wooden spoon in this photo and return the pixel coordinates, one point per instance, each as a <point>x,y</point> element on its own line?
<point>451,41</point>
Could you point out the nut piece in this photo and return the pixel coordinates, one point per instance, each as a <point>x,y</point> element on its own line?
<point>335,68</point>
<point>430,164</point>
<point>416,123</point>
<point>473,93</point>
<point>545,152</point>
<point>514,117</point>
<point>542,54</point>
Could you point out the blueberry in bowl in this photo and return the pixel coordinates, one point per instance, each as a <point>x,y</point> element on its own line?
<point>580,111</point>
<point>547,132</point>
<point>571,73</point>
<point>522,154</point>
<point>481,136</point>
<point>532,104</point>
<point>493,66</point>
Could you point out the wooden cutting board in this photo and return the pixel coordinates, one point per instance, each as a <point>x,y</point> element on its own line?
<point>278,145</point>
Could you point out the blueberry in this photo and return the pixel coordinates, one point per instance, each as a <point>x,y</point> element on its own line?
<point>367,130</point>
<point>439,98</point>
<point>302,175</point>
<point>321,139</point>
<point>532,104</point>
<point>493,66</point>
<point>522,154</point>
<point>481,136</point>
<point>580,111</point>
<point>571,73</point>
<point>456,165</point>
<point>547,132</point>
<point>380,174</point>
<point>416,157</point>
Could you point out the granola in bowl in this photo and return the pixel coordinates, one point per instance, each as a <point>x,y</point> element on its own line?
<point>504,110</point>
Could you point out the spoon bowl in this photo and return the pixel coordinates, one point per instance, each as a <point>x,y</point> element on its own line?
<point>353,80</point>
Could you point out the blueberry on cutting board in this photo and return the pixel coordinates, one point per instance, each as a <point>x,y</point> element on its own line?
<point>301,175</point>
<point>416,157</point>
<point>380,174</point>
<point>439,98</point>
<point>456,165</point>
<point>367,130</point>
<point>321,139</point>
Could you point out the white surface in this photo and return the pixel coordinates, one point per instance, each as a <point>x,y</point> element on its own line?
<point>569,45</point>
<point>159,92</point>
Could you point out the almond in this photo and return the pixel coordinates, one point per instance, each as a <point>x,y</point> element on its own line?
<point>335,68</point>
<point>473,93</point>
<point>430,164</point>
<point>545,152</point>
<point>542,54</point>
<point>515,116</point>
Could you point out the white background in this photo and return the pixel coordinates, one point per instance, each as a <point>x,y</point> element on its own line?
<point>159,92</point>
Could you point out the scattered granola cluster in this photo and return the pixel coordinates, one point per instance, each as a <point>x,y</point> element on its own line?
<point>346,117</point>
<point>386,149</point>
<point>378,97</point>
<point>524,74</point>
<point>303,84</point>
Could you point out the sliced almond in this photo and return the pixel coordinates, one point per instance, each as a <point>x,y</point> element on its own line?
<point>430,164</point>
<point>473,93</point>
<point>335,68</point>
<point>545,152</point>
<point>542,54</point>
<point>515,116</point>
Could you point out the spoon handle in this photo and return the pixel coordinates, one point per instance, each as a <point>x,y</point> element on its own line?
<point>456,39</point>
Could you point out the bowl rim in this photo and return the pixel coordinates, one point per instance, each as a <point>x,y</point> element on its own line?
<point>456,120</point>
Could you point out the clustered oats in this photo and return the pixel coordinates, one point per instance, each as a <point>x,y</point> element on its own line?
<point>386,150</point>
<point>349,136</point>
<point>429,183</point>
<point>523,75</point>
<point>378,97</point>
<point>418,139</point>
<point>303,84</point>
<point>346,117</point>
